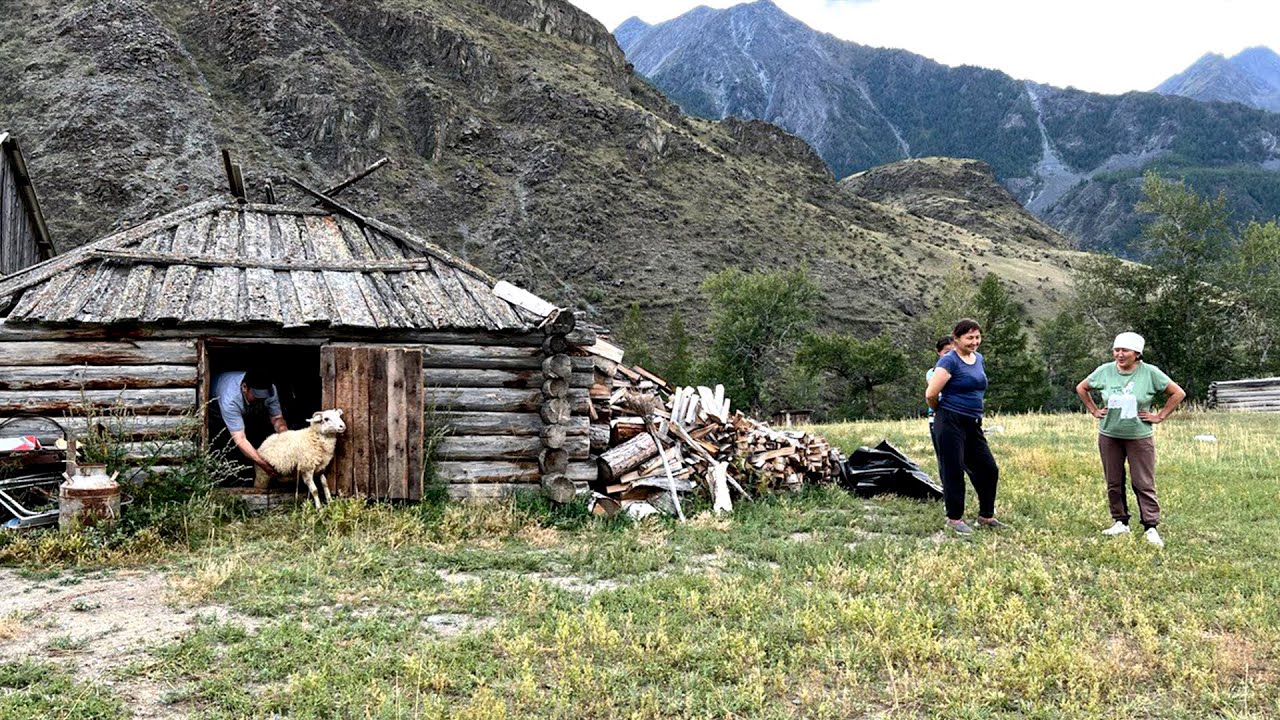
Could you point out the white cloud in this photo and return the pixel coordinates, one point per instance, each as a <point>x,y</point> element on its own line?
<point>1098,45</point>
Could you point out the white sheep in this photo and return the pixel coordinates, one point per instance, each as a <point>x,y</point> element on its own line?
<point>304,453</point>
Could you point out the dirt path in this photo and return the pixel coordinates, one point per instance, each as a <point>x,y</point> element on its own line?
<point>97,623</point>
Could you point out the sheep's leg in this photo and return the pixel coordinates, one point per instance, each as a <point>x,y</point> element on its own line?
<point>324,486</point>
<point>311,485</point>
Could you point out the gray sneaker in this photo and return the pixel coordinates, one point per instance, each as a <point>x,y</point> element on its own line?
<point>960,528</point>
<point>992,524</point>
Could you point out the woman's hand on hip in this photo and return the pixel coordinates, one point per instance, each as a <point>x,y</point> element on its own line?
<point>1150,417</point>
<point>1098,412</point>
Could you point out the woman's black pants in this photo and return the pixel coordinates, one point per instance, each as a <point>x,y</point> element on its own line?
<point>962,447</point>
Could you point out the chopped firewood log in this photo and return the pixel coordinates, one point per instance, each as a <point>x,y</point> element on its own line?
<point>625,457</point>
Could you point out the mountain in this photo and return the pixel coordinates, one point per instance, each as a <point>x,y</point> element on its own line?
<point>1251,77</point>
<point>518,139</point>
<point>963,193</point>
<point>1066,155</point>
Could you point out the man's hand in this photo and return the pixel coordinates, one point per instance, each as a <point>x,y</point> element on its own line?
<point>266,467</point>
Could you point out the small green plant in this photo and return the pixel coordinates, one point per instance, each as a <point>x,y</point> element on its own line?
<point>67,643</point>
<point>435,428</point>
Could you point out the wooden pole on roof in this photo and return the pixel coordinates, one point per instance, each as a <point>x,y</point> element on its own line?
<point>235,180</point>
<point>352,180</point>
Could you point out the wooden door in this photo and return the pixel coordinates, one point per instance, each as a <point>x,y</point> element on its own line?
<point>379,390</point>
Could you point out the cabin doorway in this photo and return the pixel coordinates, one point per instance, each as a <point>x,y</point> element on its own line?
<point>294,370</point>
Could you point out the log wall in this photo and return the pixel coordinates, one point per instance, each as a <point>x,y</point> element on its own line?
<point>1256,395</point>
<point>141,389</point>
<point>492,395</point>
<point>491,399</point>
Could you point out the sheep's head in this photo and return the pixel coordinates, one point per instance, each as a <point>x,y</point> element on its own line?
<point>328,422</point>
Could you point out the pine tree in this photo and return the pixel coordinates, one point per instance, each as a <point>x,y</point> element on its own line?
<point>1017,380</point>
<point>633,337</point>
<point>678,369</point>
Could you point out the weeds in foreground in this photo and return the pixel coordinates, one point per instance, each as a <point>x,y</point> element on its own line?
<point>171,508</point>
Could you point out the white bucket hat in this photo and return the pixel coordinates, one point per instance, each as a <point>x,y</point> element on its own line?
<point>1129,341</point>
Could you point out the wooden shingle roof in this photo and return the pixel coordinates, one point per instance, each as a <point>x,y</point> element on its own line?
<point>222,262</point>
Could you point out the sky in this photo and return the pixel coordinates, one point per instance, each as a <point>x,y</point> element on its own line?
<point>1108,46</point>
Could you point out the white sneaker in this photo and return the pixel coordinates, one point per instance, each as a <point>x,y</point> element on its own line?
<point>1118,529</point>
<point>1153,537</point>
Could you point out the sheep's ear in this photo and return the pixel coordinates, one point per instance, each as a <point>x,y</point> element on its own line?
<point>318,417</point>
<point>339,410</point>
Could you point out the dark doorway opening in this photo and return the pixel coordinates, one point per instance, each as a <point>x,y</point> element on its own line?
<point>294,370</point>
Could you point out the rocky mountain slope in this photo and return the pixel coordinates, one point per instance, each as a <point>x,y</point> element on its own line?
<point>1251,77</point>
<point>518,136</point>
<point>1060,152</point>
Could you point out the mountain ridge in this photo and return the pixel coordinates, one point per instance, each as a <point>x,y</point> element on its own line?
<point>519,141</point>
<point>1057,150</point>
<point>1250,77</point>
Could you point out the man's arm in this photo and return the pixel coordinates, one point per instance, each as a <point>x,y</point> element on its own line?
<point>237,436</point>
<point>277,421</point>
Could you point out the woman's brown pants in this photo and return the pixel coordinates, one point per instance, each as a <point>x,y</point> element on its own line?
<point>1141,454</point>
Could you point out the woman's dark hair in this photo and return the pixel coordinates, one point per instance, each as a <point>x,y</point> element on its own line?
<point>943,342</point>
<point>964,327</point>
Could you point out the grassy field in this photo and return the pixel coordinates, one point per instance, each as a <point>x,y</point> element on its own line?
<point>817,606</point>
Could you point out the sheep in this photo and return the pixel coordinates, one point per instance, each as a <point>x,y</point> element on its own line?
<point>304,453</point>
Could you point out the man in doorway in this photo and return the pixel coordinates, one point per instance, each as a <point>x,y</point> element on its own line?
<point>244,401</point>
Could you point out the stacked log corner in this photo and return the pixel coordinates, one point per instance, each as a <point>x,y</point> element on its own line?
<point>562,474</point>
<point>490,398</point>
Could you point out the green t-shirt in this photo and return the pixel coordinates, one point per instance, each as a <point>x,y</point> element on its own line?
<point>1124,395</point>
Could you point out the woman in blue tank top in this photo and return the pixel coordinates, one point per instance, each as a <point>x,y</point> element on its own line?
<point>955,393</point>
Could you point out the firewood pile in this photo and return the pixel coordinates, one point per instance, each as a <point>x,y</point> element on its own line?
<point>656,442</point>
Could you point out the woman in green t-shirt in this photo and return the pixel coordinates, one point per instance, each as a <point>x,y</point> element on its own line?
<point>1125,432</point>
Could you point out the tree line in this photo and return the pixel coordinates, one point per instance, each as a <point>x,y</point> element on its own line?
<point>1206,296</point>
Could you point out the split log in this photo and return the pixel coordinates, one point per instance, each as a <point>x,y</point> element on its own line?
<point>44,402</point>
<point>581,337</point>
<point>561,321</point>
<point>96,377</point>
<point>556,411</point>
<point>557,366</point>
<point>139,352</point>
<point>501,400</point>
<point>553,461</point>
<point>558,488</point>
<point>498,447</point>
<point>581,473</point>
<point>553,436</point>
<point>502,423</point>
<point>556,388</point>
<point>555,345</point>
<point>599,437</point>
<point>625,457</point>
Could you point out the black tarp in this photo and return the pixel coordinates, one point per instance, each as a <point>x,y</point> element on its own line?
<point>883,469</point>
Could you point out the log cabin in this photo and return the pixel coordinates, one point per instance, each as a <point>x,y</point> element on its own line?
<point>341,309</point>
